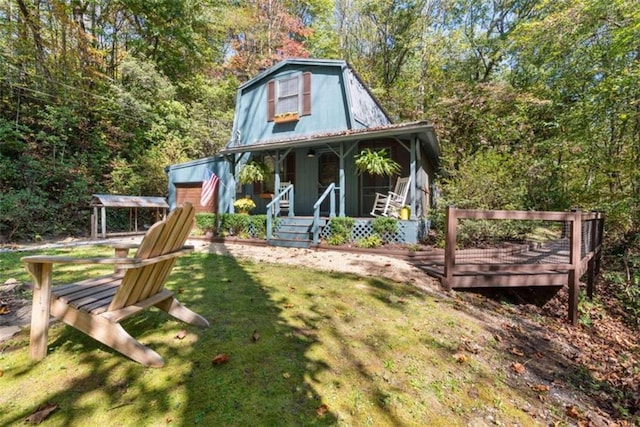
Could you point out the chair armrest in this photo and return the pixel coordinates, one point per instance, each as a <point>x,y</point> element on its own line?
<point>61,259</point>
<point>129,262</point>
<point>120,245</point>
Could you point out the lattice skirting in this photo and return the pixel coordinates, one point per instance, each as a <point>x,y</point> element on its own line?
<point>411,231</point>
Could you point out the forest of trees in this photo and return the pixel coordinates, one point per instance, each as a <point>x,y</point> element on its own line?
<point>536,103</point>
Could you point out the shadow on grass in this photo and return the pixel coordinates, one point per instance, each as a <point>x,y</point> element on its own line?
<point>263,382</point>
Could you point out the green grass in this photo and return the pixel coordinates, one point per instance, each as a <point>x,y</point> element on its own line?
<point>373,351</point>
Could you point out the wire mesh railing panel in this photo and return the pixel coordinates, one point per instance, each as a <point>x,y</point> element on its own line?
<point>509,241</point>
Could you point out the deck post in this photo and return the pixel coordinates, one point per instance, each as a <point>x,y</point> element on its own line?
<point>593,247</point>
<point>574,273</point>
<point>450,246</point>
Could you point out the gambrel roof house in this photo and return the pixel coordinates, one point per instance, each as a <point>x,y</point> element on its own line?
<point>307,120</point>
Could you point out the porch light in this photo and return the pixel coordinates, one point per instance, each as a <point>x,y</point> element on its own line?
<point>311,153</point>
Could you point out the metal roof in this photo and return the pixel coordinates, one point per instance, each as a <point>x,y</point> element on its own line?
<point>422,129</point>
<point>113,200</point>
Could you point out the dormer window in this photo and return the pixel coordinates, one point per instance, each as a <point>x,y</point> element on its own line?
<point>289,97</point>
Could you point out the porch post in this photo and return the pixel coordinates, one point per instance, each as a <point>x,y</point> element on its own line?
<point>276,181</point>
<point>342,182</point>
<point>412,181</point>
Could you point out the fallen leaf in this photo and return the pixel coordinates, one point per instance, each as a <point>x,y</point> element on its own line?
<point>286,375</point>
<point>256,336</point>
<point>322,409</point>
<point>540,387</point>
<point>41,414</point>
<point>220,359</point>
<point>518,368</point>
<point>4,309</point>
<point>516,351</point>
<point>573,412</point>
<point>460,358</point>
<point>181,334</point>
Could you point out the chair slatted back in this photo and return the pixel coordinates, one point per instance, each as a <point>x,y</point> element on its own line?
<point>402,190</point>
<point>162,238</point>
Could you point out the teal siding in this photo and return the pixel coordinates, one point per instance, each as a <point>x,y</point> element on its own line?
<point>193,172</point>
<point>329,108</point>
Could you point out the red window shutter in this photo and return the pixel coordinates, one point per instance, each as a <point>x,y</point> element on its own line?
<point>271,100</point>
<point>306,94</point>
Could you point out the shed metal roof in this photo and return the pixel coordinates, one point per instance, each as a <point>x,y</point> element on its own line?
<point>113,200</point>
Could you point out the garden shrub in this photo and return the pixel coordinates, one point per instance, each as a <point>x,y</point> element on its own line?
<point>385,227</point>
<point>232,224</point>
<point>370,242</point>
<point>207,222</point>
<point>258,226</point>
<point>340,230</point>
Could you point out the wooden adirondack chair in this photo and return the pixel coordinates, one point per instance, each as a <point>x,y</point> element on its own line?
<point>390,204</point>
<point>96,306</point>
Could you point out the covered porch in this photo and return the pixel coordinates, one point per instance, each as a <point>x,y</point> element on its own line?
<point>316,177</point>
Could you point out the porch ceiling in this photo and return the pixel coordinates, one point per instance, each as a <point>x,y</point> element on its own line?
<point>422,130</point>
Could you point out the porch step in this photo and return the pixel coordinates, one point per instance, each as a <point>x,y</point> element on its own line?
<point>294,232</point>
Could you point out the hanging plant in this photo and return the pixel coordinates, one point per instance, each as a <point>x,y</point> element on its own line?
<point>252,172</point>
<point>376,162</point>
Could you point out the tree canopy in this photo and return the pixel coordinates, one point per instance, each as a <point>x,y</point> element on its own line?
<point>535,102</point>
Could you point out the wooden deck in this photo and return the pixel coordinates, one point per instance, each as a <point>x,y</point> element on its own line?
<point>483,267</point>
<point>558,262</point>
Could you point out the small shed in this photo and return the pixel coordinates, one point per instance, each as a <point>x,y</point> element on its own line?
<point>133,203</point>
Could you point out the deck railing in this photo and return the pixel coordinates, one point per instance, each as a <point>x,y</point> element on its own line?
<point>564,260</point>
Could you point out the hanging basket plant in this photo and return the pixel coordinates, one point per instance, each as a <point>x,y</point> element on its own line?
<point>376,162</point>
<point>252,172</point>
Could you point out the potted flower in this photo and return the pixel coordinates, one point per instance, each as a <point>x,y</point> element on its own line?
<point>252,172</point>
<point>289,116</point>
<point>244,205</point>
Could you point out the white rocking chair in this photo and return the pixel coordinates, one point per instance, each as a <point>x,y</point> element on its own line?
<point>391,203</point>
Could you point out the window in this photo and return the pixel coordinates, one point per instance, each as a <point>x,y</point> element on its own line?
<point>291,94</point>
<point>287,95</point>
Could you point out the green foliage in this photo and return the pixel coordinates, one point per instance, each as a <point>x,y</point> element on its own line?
<point>234,225</point>
<point>340,230</point>
<point>385,227</point>
<point>207,222</point>
<point>376,162</point>
<point>252,172</point>
<point>383,224</point>
<point>259,226</point>
<point>370,242</point>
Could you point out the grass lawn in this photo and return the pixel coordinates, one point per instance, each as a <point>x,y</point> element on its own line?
<point>333,349</point>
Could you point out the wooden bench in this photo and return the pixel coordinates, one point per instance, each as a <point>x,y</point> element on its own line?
<point>96,306</point>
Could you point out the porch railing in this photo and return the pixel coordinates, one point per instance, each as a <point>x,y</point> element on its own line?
<point>579,253</point>
<point>331,189</point>
<point>273,208</point>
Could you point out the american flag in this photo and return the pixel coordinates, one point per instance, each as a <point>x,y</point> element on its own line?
<point>209,183</point>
